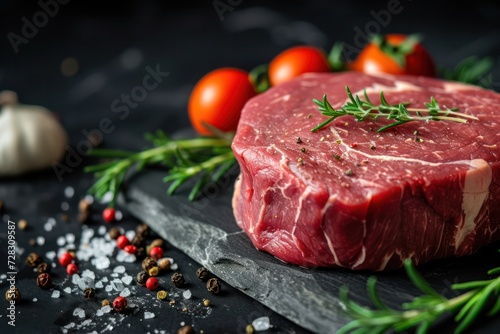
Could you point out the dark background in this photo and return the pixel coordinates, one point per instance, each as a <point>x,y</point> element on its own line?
<point>113,42</point>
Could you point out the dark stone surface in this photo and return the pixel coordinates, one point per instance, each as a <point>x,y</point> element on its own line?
<point>207,232</point>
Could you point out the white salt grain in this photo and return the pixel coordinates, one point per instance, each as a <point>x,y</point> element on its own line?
<point>88,273</point>
<point>69,192</point>
<point>101,230</point>
<point>119,269</point>
<point>149,315</point>
<point>187,294</point>
<point>51,221</point>
<point>130,234</point>
<point>35,300</point>
<point>64,206</point>
<point>79,312</point>
<point>261,324</point>
<point>40,241</point>
<point>61,241</point>
<point>125,292</point>
<point>127,279</point>
<point>174,266</point>
<point>99,285</point>
<point>102,262</point>
<point>75,278</point>
<point>106,309</point>
<point>89,199</point>
<point>56,294</point>
<point>50,255</point>
<point>67,290</point>
<point>109,288</point>
<point>47,227</point>
<point>118,215</point>
<point>70,238</point>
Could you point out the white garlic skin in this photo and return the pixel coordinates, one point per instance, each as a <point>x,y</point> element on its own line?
<point>31,138</point>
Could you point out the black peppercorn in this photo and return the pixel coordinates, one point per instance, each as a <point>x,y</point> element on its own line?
<point>44,280</point>
<point>142,230</point>
<point>13,295</point>
<point>148,263</point>
<point>89,293</point>
<point>114,233</point>
<point>34,259</point>
<point>213,285</point>
<point>142,277</point>
<point>178,280</point>
<point>43,268</point>
<point>202,273</point>
<point>139,241</point>
<point>186,330</point>
<point>140,252</point>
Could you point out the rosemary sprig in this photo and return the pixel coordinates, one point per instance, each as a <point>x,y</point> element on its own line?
<point>206,158</point>
<point>365,109</point>
<point>471,70</point>
<point>423,311</point>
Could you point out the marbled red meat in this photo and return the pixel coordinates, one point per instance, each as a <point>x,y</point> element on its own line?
<point>406,198</point>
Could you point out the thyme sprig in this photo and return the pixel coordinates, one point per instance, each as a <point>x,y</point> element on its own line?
<point>399,113</point>
<point>205,157</point>
<point>423,311</point>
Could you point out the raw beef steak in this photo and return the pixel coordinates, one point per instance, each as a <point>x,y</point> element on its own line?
<point>348,196</point>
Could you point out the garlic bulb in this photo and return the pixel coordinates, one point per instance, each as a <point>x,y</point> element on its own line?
<point>31,138</point>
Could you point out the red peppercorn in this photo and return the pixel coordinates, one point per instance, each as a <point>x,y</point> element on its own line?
<point>71,269</point>
<point>156,252</point>
<point>152,283</point>
<point>122,241</point>
<point>65,259</point>
<point>119,304</point>
<point>109,215</point>
<point>131,249</point>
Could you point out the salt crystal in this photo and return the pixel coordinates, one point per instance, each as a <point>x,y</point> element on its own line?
<point>69,192</point>
<point>53,264</point>
<point>149,315</point>
<point>127,279</point>
<point>70,238</point>
<point>104,280</point>
<point>174,266</point>
<point>50,255</point>
<point>119,269</point>
<point>79,312</point>
<point>130,234</point>
<point>75,278</point>
<point>71,324</point>
<point>47,227</point>
<point>89,199</point>
<point>117,285</point>
<point>123,256</point>
<point>109,288</point>
<point>187,294</point>
<point>125,292</point>
<point>99,313</point>
<point>99,285</point>
<point>101,230</point>
<point>35,300</point>
<point>106,309</point>
<point>107,197</point>
<point>67,290</point>
<point>261,324</point>
<point>64,206</point>
<point>102,262</point>
<point>86,282</point>
<point>51,221</point>
<point>56,294</point>
<point>114,275</point>
<point>88,273</point>
<point>40,241</point>
<point>118,215</point>
<point>3,276</point>
<point>61,241</point>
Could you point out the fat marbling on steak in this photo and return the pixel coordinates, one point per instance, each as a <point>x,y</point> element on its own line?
<point>420,190</point>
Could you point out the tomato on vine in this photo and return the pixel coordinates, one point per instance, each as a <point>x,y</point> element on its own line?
<point>295,61</point>
<point>217,100</point>
<point>395,54</point>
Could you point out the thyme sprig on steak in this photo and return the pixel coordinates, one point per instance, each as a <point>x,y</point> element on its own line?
<point>424,311</point>
<point>399,113</point>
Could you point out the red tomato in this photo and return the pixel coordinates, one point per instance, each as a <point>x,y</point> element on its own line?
<point>295,61</point>
<point>373,59</point>
<point>217,99</point>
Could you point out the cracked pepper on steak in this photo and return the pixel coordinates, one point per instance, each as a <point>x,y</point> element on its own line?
<point>420,190</point>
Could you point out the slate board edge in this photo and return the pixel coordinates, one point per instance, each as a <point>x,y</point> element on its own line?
<point>192,236</point>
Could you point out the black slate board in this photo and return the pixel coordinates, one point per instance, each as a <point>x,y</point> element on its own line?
<point>206,231</point>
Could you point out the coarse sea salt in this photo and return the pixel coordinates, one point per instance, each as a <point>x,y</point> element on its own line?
<point>79,312</point>
<point>119,269</point>
<point>125,292</point>
<point>149,315</point>
<point>56,294</point>
<point>261,324</point>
